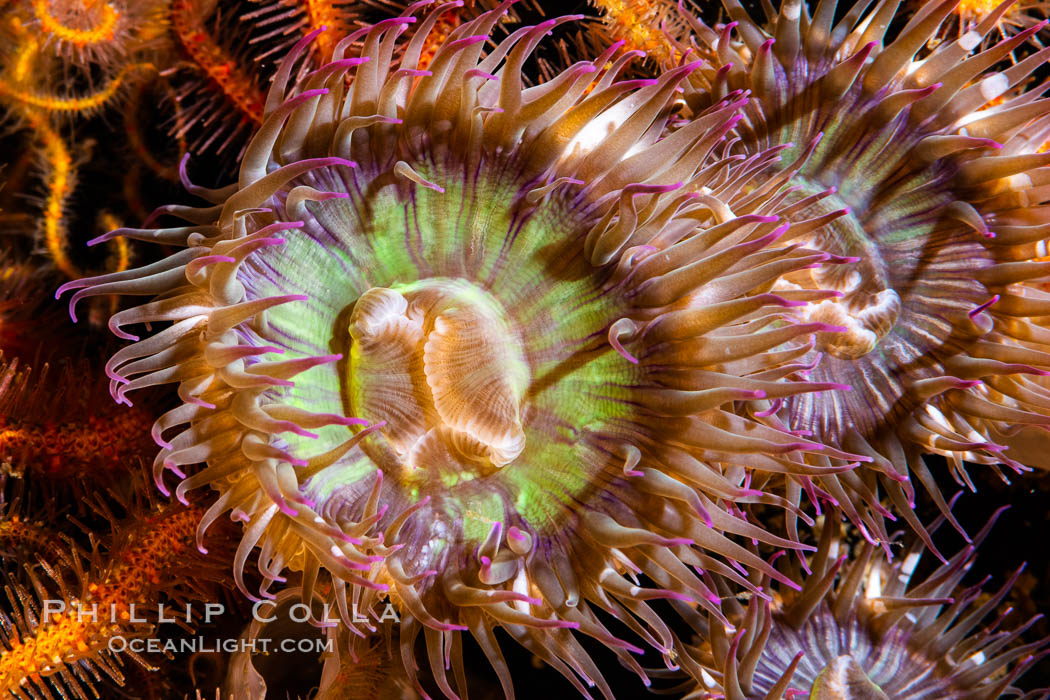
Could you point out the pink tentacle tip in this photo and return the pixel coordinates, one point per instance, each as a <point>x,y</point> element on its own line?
<point>72,284</point>
<point>627,646</point>
<point>103,238</point>
<point>206,260</point>
<point>633,472</point>
<point>476,73</point>
<point>638,82</point>
<point>673,541</point>
<point>787,303</point>
<point>773,408</point>
<point>349,420</point>
<point>344,161</point>
<point>153,216</point>
<point>116,330</point>
<point>774,234</point>
<point>174,468</point>
<point>984,306</point>
<point>466,41</point>
<point>809,446</point>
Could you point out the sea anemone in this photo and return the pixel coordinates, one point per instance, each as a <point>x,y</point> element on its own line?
<point>860,628</point>
<point>941,208</point>
<point>519,322</point>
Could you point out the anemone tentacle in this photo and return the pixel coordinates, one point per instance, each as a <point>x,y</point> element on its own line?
<point>481,347</point>
<point>943,217</point>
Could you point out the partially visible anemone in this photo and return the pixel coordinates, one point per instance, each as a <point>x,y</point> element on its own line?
<point>521,324</point>
<point>862,629</point>
<point>942,206</point>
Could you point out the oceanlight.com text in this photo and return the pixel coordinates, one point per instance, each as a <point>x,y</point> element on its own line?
<point>196,645</point>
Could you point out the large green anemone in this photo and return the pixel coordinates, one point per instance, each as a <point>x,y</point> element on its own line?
<point>520,323</point>
<point>939,205</point>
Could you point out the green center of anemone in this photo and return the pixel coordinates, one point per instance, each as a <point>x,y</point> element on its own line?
<point>473,326</point>
<point>440,362</point>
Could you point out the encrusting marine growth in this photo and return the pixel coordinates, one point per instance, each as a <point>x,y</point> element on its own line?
<point>517,321</point>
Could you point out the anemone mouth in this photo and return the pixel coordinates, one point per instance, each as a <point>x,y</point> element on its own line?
<point>442,353</point>
<point>903,299</point>
<point>902,149</point>
<point>479,348</point>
